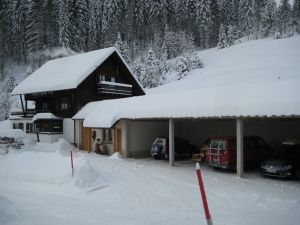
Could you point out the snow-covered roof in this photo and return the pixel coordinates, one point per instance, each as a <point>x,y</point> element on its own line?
<point>253,79</point>
<point>44,116</point>
<point>65,73</point>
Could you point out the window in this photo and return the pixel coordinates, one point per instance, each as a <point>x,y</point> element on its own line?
<point>50,126</point>
<point>63,104</point>
<point>45,105</point>
<point>18,126</point>
<point>218,144</point>
<point>101,77</point>
<point>30,128</point>
<point>107,135</point>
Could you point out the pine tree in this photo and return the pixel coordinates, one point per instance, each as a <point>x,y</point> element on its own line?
<point>296,14</point>
<point>152,70</point>
<point>81,19</point>
<point>3,39</point>
<point>231,35</point>
<point>203,21</point>
<point>34,34</point>
<point>122,48</point>
<point>64,24</point>
<point>222,43</point>
<point>284,18</point>
<point>228,11</point>
<point>246,17</point>
<point>92,28</point>
<point>268,19</point>
<point>215,24</point>
<point>17,27</point>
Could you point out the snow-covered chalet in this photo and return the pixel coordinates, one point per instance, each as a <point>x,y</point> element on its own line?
<point>61,87</point>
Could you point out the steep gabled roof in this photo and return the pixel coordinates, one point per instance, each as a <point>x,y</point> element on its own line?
<point>65,73</point>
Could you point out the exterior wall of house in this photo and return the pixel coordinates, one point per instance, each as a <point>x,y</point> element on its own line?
<point>141,134</point>
<point>49,138</point>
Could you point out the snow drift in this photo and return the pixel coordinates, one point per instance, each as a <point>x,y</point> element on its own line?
<point>50,164</point>
<point>8,211</point>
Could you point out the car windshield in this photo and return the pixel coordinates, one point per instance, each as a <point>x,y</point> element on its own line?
<point>217,144</point>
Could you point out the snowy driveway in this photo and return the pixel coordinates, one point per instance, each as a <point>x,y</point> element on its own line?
<point>135,192</point>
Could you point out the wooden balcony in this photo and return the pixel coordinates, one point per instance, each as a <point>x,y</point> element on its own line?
<point>113,88</point>
<point>28,113</point>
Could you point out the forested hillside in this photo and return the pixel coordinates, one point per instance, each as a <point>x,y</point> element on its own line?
<point>146,32</point>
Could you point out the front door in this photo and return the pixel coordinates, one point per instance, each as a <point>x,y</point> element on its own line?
<point>117,140</point>
<point>87,139</point>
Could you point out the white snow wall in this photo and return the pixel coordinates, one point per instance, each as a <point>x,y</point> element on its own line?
<point>68,129</point>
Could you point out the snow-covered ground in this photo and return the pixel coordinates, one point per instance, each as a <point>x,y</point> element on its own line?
<point>37,188</point>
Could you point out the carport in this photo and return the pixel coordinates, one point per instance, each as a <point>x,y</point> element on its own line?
<point>246,107</point>
<point>274,130</point>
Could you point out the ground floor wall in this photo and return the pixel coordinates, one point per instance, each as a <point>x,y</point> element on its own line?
<point>141,135</point>
<point>68,131</point>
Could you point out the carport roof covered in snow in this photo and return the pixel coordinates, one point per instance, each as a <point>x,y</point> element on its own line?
<point>222,102</point>
<point>252,79</point>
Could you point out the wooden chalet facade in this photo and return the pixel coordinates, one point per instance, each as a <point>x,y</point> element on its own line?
<point>111,79</point>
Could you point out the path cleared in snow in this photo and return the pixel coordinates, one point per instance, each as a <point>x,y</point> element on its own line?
<point>37,185</point>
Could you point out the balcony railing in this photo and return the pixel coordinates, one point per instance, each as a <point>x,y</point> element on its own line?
<point>113,88</point>
<point>28,113</point>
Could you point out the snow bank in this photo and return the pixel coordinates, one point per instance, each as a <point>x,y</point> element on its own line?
<point>50,164</point>
<point>12,133</point>
<point>63,145</point>
<point>8,211</point>
<point>116,155</point>
<point>87,178</point>
<point>6,124</point>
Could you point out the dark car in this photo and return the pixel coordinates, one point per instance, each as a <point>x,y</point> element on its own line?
<point>283,163</point>
<point>182,148</point>
<point>221,152</point>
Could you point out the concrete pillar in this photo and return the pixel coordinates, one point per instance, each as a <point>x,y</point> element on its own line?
<point>239,148</point>
<point>171,142</point>
<point>125,150</point>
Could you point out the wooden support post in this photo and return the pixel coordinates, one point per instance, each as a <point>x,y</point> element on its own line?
<point>171,142</point>
<point>239,148</point>
<point>22,105</point>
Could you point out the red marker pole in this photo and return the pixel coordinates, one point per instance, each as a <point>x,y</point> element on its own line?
<point>72,163</point>
<point>203,195</point>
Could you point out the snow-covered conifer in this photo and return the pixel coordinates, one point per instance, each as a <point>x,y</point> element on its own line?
<point>268,19</point>
<point>222,43</point>
<point>246,17</point>
<point>296,14</point>
<point>231,35</point>
<point>284,18</point>
<point>122,48</point>
<point>64,24</point>
<point>182,67</point>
